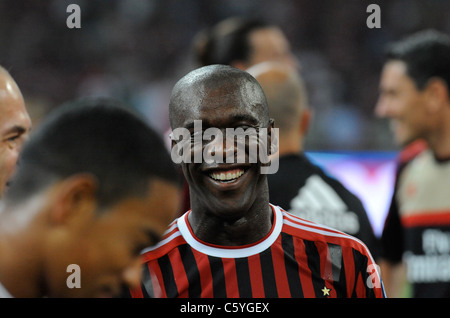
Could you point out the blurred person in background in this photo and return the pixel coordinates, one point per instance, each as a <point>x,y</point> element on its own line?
<point>94,186</point>
<point>415,96</point>
<point>15,124</point>
<point>300,186</point>
<point>241,43</point>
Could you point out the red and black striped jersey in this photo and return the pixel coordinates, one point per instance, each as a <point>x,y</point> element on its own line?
<point>297,258</point>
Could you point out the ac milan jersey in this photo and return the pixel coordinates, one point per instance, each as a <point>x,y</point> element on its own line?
<point>297,258</point>
<point>418,231</point>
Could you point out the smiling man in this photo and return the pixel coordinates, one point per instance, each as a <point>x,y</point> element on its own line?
<point>95,186</point>
<point>233,242</point>
<point>415,97</point>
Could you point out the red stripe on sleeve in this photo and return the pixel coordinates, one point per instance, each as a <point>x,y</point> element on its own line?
<point>136,293</point>
<point>154,268</point>
<point>326,268</point>
<point>360,287</point>
<point>349,264</point>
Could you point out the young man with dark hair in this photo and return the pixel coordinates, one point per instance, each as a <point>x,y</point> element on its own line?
<point>415,96</point>
<point>241,43</point>
<point>233,242</point>
<point>93,187</point>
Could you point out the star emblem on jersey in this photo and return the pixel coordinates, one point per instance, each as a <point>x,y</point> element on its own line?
<point>326,291</point>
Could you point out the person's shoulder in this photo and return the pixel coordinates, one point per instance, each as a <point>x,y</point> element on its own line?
<point>311,231</point>
<point>171,239</point>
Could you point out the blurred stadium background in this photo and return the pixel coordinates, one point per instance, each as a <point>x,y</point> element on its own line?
<point>135,50</point>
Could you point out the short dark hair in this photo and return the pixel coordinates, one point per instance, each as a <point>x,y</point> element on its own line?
<point>96,136</point>
<point>226,42</point>
<point>426,55</point>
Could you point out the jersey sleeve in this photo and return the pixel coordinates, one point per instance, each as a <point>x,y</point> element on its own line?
<point>368,281</point>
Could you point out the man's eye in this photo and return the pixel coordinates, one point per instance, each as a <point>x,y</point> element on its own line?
<point>12,140</point>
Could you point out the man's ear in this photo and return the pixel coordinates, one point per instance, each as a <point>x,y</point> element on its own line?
<point>273,137</point>
<point>305,120</point>
<point>74,197</point>
<point>436,94</point>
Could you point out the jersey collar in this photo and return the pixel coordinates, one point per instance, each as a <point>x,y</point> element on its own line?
<point>232,251</point>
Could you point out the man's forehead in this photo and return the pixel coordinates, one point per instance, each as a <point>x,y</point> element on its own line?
<point>397,67</point>
<point>239,94</point>
<point>395,74</point>
<point>214,89</point>
<point>224,109</point>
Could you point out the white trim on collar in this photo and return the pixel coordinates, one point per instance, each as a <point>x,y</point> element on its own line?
<point>233,252</point>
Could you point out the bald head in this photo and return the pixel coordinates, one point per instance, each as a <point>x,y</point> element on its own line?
<point>9,91</point>
<point>14,126</point>
<point>214,87</point>
<point>285,93</point>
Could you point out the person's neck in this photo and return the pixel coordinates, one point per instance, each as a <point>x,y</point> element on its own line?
<point>439,142</point>
<point>251,227</point>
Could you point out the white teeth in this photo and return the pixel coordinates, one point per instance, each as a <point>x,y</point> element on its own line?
<point>227,176</point>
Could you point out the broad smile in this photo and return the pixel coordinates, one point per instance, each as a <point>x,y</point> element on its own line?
<point>227,178</point>
<point>226,175</point>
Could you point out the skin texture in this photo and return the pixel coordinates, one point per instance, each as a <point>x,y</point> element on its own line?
<point>233,213</point>
<point>61,226</point>
<point>15,124</point>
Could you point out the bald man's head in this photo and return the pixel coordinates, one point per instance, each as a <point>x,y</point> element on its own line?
<point>15,124</point>
<point>214,87</point>
<point>285,93</point>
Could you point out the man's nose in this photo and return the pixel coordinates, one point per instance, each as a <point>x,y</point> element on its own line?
<point>381,108</point>
<point>221,147</point>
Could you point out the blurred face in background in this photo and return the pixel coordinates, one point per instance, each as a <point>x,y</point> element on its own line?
<point>15,124</point>
<point>105,245</point>
<point>270,44</point>
<point>402,103</point>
